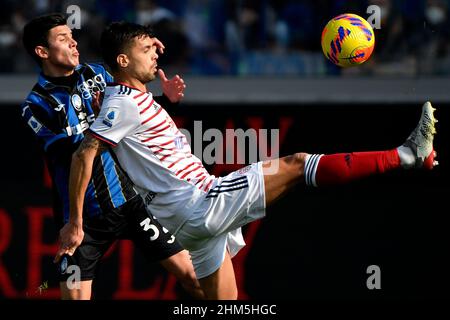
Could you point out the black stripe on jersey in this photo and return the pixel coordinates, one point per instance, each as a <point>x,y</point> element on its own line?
<point>237,187</point>
<point>100,183</point>
<point>236,184</point>
<point>124,90</point>
<point>45,95</point>
<point>228,183</point>
<point>231,186</point>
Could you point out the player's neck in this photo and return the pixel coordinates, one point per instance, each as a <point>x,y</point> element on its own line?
<point>129,81</point>
<point>55,71</point>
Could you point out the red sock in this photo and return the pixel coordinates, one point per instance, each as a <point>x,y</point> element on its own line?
<point>344,167</point>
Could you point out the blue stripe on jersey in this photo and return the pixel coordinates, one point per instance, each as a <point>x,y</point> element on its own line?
<point>112,180</point>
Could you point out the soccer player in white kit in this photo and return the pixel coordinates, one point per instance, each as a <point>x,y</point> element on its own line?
<point>206,213</point>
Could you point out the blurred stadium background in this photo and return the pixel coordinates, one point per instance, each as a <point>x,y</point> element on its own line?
<point>258,64</point>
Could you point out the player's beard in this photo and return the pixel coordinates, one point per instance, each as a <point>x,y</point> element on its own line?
<point>149,77</point>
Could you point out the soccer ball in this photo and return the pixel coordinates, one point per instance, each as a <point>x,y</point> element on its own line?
<point>348,40</point>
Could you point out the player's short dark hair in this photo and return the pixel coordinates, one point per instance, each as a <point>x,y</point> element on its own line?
<point>35,32</point>
<point>118,37</point>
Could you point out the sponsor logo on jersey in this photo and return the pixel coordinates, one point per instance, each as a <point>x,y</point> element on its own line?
<point>34,124</point>
<point>111,115</point>
<point>76,102</point>
<point>85,121</point>
<point>88,87</point>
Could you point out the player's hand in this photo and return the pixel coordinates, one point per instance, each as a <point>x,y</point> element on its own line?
<point>70,237</point>
<point>159,45</point>
<point>173,88</point>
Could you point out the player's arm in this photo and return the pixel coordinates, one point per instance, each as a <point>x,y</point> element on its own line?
<point>71,235</point>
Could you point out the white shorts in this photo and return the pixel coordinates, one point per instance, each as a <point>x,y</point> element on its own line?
<point>232,202</point>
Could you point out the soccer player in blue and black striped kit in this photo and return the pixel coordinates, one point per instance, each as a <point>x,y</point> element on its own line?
<point>59,108</point>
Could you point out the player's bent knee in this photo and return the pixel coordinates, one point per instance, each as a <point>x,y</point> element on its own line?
<point>296,162</point>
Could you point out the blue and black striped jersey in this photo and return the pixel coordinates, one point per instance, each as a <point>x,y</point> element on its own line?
<point>59,110</point>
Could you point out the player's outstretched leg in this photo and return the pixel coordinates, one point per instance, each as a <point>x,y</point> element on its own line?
<point>416,152</point>
<point>334,169</point>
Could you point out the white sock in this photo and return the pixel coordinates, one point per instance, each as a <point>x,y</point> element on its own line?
<point>407,157</point>
<point>311,164</point>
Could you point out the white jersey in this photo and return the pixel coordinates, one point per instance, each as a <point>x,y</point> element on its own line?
<point>154,153</point>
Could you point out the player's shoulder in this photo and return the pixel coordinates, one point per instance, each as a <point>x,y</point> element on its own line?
<point>33,97</point>
<point>120,92</point>
<point>38,96</point>
<point>116,94</point>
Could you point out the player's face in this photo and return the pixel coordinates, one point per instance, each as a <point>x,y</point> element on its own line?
<point>143,59</point>
<point>62,48</point>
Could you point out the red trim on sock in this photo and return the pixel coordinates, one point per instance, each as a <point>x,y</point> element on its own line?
<point>344,167</point>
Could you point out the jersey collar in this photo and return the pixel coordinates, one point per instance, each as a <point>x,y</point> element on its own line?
<point>45,83</point>
<point>114,84</point>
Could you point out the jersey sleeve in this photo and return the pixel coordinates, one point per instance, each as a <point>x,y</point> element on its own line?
<point>41,119</point>
<point>118,118</point>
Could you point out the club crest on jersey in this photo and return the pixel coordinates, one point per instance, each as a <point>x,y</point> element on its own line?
<point>111,116</point>
<point>34,124</point>
<point>76,102</point>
